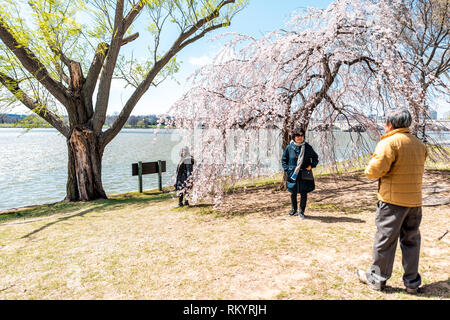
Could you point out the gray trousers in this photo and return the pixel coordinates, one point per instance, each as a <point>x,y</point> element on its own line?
<point>394,222</point>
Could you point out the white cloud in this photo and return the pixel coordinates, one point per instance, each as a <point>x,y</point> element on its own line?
<point>200,61</point>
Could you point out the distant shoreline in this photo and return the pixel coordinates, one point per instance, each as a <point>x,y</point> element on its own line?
<point>11,125</point>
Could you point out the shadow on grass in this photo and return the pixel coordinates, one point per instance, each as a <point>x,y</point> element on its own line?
<point>202,205</point>
<point>332,195</point>
<point>112,203</point>
<point>438,289</point>
<point>327,194</point>
<point>80,214</point>
<point>334,219</point>
<point>120,201</point>
<point>344,207</point>
<point>250,188</point>
<point>272,202</point>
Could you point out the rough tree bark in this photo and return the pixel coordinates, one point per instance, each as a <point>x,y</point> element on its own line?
<point>87,157</point>
<point>72,193</point>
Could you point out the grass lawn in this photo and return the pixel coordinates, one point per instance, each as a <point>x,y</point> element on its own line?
<point>140,247</point>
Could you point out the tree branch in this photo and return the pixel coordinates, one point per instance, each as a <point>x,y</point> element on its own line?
<point>60,54</point>
<point>13,86</point>
<point>32,64</point>
<point>318,96</point>
<point>201,35</point>
<point>106,77</point>
<point>129,39</point>
<point>94,72</point>
<point>129,18</point>
<point>56,51</point>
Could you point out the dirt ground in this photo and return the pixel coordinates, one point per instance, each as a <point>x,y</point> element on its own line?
<point>249,248</point>
<point>348,194</point>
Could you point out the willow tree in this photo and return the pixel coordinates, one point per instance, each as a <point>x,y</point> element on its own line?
<point>62,58</point>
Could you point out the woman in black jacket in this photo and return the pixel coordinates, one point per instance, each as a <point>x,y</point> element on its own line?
<point>298,160</point>
<point>184,179</point>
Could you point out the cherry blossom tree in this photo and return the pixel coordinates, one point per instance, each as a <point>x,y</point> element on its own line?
<point>424,39</point>
<point>344,62</point>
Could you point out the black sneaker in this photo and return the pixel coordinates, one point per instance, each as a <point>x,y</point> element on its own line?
<point>180,205</point>
<point>186,203</point>
<point>293,213</point>
<point>302,214</point>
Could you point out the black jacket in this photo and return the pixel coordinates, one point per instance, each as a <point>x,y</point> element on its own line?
<point>184,171</point>
<point>289,163</point>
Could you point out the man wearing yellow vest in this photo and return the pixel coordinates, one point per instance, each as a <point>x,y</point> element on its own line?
<point>398,163</point>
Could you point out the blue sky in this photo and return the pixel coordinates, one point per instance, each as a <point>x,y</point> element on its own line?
<point>258,18</point>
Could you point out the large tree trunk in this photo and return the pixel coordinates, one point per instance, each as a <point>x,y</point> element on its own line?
<point>86,152</point>
<point>419,110</point>
<point>72,193</point>
<point>415,126</point>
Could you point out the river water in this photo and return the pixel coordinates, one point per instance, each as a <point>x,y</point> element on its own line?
<point>33,166</point>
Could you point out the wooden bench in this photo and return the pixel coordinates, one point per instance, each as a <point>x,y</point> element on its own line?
<point>140,168</point>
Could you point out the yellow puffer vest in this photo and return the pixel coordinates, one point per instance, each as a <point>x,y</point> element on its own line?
<point>398,161</point>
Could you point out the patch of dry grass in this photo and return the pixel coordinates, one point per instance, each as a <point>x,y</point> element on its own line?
<point>140,247</point>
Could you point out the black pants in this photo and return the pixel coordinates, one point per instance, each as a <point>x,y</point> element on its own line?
<point>303,199</point>
<point>180,199</point>
<point>394,223</point>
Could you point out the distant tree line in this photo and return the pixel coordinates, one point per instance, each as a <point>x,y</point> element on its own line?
<point>135,121</point>
<point>11,118</point>
<point>144,121</point>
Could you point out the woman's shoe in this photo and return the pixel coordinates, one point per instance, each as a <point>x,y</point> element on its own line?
<point>301,214</point>
<point>293,213</point>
